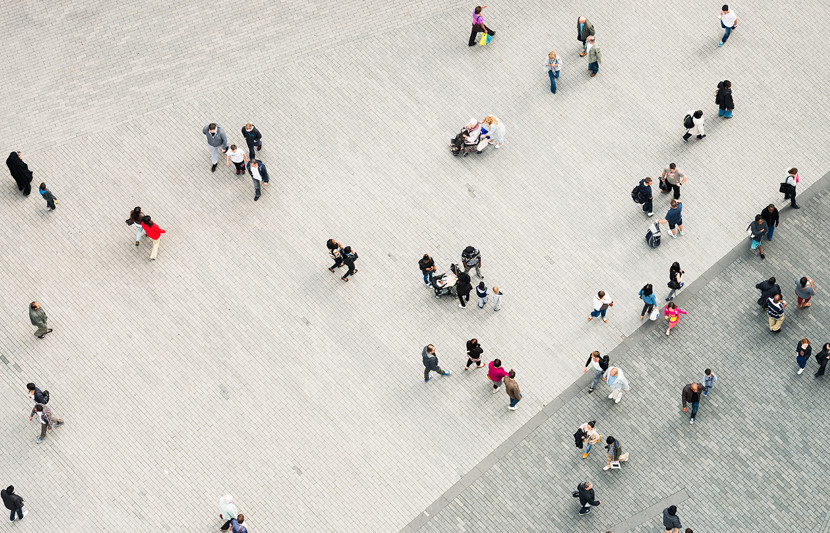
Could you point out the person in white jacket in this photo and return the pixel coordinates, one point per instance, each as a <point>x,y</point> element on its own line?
<point>697,128</point>
<point>227,511</point>
<point>617,382</point>
<point>495,133</point>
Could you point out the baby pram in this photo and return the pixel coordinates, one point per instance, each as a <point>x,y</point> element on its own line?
<point>445,283</point>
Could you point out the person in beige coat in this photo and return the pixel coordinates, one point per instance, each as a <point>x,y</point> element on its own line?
<point>512,389</point>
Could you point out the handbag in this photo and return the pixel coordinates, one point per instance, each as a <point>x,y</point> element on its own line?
<point>785,187</point>
<point>654,314</point>
<point>483,40</point>
<point>604,307</point>
<point>673,284</point>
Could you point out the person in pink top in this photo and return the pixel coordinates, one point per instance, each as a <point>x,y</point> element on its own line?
<point>672,313</point>
<point>496,374</point>
<point>478,25</point>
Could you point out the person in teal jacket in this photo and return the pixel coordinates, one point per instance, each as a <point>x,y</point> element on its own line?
<point>649,300</point>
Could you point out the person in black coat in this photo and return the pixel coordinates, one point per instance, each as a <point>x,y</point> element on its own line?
<point>585,492</point>
<point>822,357</point>
<point>13,502</point>
<point>349,257</point>
<point>463,288</point>
<point>253,138</point>
<point>427,266</point>
<point>36,394</point>
<point>770,216</point>
<point>768,288</point>
<point>20,172</point>
<point>259,175</point>
<point>724,99</point>
<point>474,351</point>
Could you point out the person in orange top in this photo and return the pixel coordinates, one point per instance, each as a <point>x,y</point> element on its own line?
<point>153,231</point>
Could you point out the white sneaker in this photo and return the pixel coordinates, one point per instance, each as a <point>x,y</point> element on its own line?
<point>462,306</point>
<point>618,400</point>
<point>495,391</point>
<point>512,408</point>
<point>651,214</point>
<point>24,514</point>
<point>606,467</point>
<point>800,370</point>
<point>673,236</point>
<point>611,396</point>
<point>668,331</point>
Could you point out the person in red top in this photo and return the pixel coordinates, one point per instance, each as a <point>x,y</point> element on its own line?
<point>496,374</point>
<point>153,231</point>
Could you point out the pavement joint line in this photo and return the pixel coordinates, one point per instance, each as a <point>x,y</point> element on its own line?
<point>655,509</point>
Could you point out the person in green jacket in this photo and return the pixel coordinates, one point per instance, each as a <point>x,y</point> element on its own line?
<point>594,56</point>
<point>38,317</point>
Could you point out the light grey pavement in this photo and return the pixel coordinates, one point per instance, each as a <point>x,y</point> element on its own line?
<point>236,362</point>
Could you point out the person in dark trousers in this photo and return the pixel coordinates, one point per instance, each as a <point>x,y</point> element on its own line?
<point>584,29</point>
<point>349,257</point>
<point>51,199</point>
<point>474,351</point>
<point>512,389</point>
<point>775,311</point>
<point>670,520</point>
<point>675,280</point>
<point>594,56</point>
<point>427,266</point>
<point>672,179</point>
<point>695,126</point>
<point>598,364</point>
<point>431,363</point>
<point>36,394</point>
<point>613,453</point>
<point>253,138</point>
<point>768,288</point>
<point>215,138</point>
<point>646,195</point>
<point>674,217</point>
<point>789,185</point>
<point>20,172</point>
<point>585,492</point>
<point>13,503</point>
<point>47,419</point>
<point>691,394</point>
<point>38,317</point>
<point>803,351</point>
<point>770,216</point>
<point>724,99</point>
<point>821,358</point>
<point>259,175</point>
<point>757,229</point>
<point>478,25</point>
<point>463,287</point>
<point>649,300</point>
<point>336,253</point>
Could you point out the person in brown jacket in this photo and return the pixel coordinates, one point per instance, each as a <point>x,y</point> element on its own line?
<point>512,389</point>
<point>692,394</point>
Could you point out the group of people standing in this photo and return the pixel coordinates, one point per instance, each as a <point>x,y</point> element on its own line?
<point>217,140</point>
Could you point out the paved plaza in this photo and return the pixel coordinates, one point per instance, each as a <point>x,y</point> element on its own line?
<point>237,363</point>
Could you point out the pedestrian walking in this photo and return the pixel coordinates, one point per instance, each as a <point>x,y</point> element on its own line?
<point>153,231</point>
<point>821,358</point>
<point>757,229</point>
<point>584,29</point>
<point>471,258</point>
<point>463,287</point>
<point>585,492</point>
<point>427,266</point>
<point>645,195</point>
<point>493,130</point>
<point>13,503</point>
<point>670,520</point>
<point>237,524</point>
<point>728,21</point>
<point>675,280</point>
<point>38,317</point>
<point>598,365</point>
<point>478,25</point>
<point>674,218</point>
<point>587,435</point>
<point>775,311</point>
<point>497,294</point>
<point>691,395</point>
<point>431,363</point>
<point>614,454</point>
<point>215,138</point>
<point>693,122</point>
<point>512,389</point>
<point>553,66</point>
<point>20,172</point>
<point>649,300</point>
<point>259,175</point>
<point>788,187</point>
<point>804,291</point>
<point>768,288</point>
<point>672,314</point>
<point>237,155</point>
<point>601,304</point>
<point>770,216</point>
<point>671,180</point>
<point>594,56</point>
<point>617,382</point>
<point>496,374</point>
<point>349,257</point>
<point>47,419</point>
<point>227,511</point>
<point>36,394</point>
<point>136,216</point>
<point>51,199</point>
<point>336,253</point>
<point>474,351</point>
<point>253,138</point>
<point>723,98</point>
<point>482,293</point>
<point>803,350</point>
<point>709,380</point>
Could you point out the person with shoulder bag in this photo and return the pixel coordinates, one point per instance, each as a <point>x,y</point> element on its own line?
<point>675,279</point>
<point>788,187</point>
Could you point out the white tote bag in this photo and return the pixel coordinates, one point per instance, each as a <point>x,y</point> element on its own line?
<point>655,314</point>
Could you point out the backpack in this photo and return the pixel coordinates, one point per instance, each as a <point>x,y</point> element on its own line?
<point>688,123</point>
<point>604,361</point>
<point>635,195</point>
<point>45,397</point>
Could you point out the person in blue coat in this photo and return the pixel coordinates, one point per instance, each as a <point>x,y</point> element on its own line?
<point>259,174</point>
<point>649,300</point>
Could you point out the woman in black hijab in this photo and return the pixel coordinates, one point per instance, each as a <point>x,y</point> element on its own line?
<point>20,172</point>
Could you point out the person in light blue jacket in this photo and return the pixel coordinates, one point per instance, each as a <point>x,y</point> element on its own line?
<point>649,300</point>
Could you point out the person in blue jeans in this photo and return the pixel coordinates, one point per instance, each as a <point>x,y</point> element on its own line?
<point>13,503</point>
<point>512,389</point>
<point>709,380</point>
<point>427,266</point>
<point>728,21</point>
<point>691,394</point>
<point>770,216</point>
<point>601,304</point>
<point>553,65</point>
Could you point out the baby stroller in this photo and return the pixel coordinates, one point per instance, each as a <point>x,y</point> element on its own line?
<point>467,139</point>
<point>445,283</point>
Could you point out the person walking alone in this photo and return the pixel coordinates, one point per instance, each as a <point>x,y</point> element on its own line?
<point>237,155</point>
<point>47,419</point>
<point>675,280</point>
<point>584,29</point>
<point>649,300</point>
<point>588,435</point>
<point>770,216</point>
<point>259,175</point>
<point>757,229</point>
<point>672,314</point>
<point>728,21</point>
<point>20,172</point>
<point>253,138</point>
<point>670,519</point>
<point>13,503</point>
<point>51,199</point>
<point>427,266</point>
<point>775,311</point>
<point>215,138</point>
<point>821,358</point>
<point>614,455</point>
<point>38,317</point>
<point>431,363</point>
<point>694,125</point>
<point>474,351</point>
<point>594,56</point>
<point>804,291</point>
<point>478,25</point>
<point>617,382</point>
<point>803,351</point>
<point>512,389</point>
<point>585,492</point>
<point>691,394</point>
<point>601,304</point>
<point>553,66</point>
<point>723,98</point>
<point>788,187</point>
<point>153,231</point>
<point>496,374</point>
<point>598,365</point>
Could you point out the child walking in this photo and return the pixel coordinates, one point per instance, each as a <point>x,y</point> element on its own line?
<point>481,292</point>
<point>709,380</point>
<point>672,313</point>
<point>49,197</point>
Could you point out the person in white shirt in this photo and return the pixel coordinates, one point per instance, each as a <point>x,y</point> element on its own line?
<point>601,304</point>
<point>237,155</point>
<point>697,126</point>
<point>789,193</point>
<point>497,294</point>
<point>259,175</point>
<point>728,21</point>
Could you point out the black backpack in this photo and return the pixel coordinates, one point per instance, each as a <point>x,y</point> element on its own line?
<point>45,397</point>
<point>604,361</point>
<point>635,195</point>
<point>688,123</point>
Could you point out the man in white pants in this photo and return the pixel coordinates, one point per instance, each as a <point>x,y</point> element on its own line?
<point>616,380</point>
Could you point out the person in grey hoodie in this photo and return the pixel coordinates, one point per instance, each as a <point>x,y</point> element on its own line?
<point>670,520</point>
<point>431,362</point>
<point>215,138</point>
